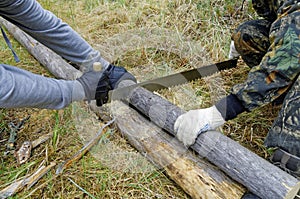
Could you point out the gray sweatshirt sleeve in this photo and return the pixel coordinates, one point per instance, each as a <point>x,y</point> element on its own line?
<point>45,27</point>
<point>20,88</point>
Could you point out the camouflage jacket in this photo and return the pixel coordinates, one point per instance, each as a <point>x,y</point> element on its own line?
<point>281,64</point>
<point>267,8</point>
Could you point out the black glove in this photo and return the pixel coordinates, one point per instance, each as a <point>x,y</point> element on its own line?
<point>117,74</point>
<point>287,162</point>
<point>96,86</point>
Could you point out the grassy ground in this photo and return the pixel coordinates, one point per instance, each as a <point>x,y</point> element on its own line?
<point>150,38</point>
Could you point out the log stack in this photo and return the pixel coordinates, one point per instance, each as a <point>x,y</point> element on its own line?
<point>221,167</point>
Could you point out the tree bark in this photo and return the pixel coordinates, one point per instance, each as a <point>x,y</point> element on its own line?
<point>196,176</point>
<point>255,173</point>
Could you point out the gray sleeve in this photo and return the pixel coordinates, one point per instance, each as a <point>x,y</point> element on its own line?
<point>20,88</point>
<point>45,27</point>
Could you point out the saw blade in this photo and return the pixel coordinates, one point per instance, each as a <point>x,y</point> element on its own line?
<point>173,79</point>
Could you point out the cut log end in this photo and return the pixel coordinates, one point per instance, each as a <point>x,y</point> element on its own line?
<point>293,191</point>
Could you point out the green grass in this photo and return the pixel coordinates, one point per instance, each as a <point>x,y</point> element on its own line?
<point>179,35</point>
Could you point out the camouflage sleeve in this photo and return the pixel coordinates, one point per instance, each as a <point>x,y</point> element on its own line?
<point>267,8</point>
<point>279,67</point>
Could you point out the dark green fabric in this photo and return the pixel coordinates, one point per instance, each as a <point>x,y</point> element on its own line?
<point>267,8</point>
<point>275,62</point>
<point>285,132</point>
<point>251,40</point>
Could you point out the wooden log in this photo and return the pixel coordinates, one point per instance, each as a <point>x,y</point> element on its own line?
<point>258,175</point>
<point>195,175</point>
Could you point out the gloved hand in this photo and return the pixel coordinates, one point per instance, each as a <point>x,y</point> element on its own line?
<point>189,125</point>
<point>96,85</point>
<point>287,162</point>
<point>116,74</point>
<point>233,52</point>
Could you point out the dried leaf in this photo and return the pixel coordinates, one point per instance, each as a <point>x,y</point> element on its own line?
<point>23,154</point>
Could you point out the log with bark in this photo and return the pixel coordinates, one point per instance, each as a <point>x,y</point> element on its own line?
<point>199,178</point>
<point>255,173</point>
<point>196,176</point>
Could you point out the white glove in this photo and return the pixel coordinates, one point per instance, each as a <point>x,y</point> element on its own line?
<point>189,125</point>
<point>232,52</point>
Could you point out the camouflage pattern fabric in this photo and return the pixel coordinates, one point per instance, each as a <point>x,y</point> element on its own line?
<point>285,132</point>
<point>267,8</point>
<point>277,73</point>
<point>251,40</point>
<point>279,67</point>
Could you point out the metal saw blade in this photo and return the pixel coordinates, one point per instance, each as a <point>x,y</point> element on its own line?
<point>173,79</point>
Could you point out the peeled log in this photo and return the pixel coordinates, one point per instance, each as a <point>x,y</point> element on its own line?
<point>196,176</point>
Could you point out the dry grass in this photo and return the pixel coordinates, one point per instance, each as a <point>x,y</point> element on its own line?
<point>150,38</point>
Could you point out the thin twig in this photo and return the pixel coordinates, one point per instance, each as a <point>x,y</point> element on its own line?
<point>41,140</point>
<point>40,186</point>
<point>38,175</point>
<point>242,8</point>
<point>83,150</point>
<point>3,140</point>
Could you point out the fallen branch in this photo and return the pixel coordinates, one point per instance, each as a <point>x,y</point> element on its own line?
<point>26,182</point>
<point>195,175</point>
<point>38,175</point>
<point>83,150</point>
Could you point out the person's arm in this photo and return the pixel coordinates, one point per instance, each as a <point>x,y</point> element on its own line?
<point>265,83</point>
<point>45,27</point>
<point>278,68</point>
<point>20,88</point>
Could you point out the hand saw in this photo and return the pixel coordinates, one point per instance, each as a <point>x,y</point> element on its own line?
<point>173,79</point>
